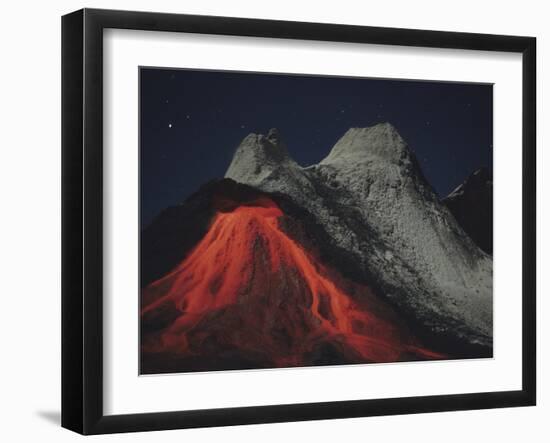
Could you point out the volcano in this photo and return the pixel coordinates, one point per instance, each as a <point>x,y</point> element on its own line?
<point>352,260</point>
<point>249,295</point>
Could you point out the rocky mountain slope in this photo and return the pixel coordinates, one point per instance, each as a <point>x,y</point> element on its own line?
<point>370,197</point>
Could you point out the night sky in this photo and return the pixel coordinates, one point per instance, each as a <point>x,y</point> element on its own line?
<point>192,121</point>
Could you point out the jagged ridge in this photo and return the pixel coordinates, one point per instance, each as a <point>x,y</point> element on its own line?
<point>370,196</point>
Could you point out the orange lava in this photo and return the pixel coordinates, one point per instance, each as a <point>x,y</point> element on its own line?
<point>249,287</point>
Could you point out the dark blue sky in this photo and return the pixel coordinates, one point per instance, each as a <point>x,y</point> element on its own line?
<point>192,121</point>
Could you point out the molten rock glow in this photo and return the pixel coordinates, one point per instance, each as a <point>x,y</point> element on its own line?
<point>248,290</point>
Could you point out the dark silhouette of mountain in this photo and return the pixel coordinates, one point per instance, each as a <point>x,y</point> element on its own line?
<point>472,205</point>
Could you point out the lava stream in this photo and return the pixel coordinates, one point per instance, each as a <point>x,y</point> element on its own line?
<point>248,287</point>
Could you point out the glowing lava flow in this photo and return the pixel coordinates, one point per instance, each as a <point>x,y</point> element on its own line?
<point>249,288</point>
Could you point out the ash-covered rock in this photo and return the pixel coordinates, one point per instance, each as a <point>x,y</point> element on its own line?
<point>370,197</point>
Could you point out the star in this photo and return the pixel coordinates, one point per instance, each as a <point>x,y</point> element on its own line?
<point>243,126</point>
<point>169,125</point>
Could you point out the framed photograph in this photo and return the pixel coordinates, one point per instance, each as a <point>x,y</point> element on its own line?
<point>269,221</point>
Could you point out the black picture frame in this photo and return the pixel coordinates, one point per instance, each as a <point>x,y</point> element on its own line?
<point>82,221</point>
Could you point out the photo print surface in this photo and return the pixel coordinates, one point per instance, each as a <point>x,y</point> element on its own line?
<point>295,220</point>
